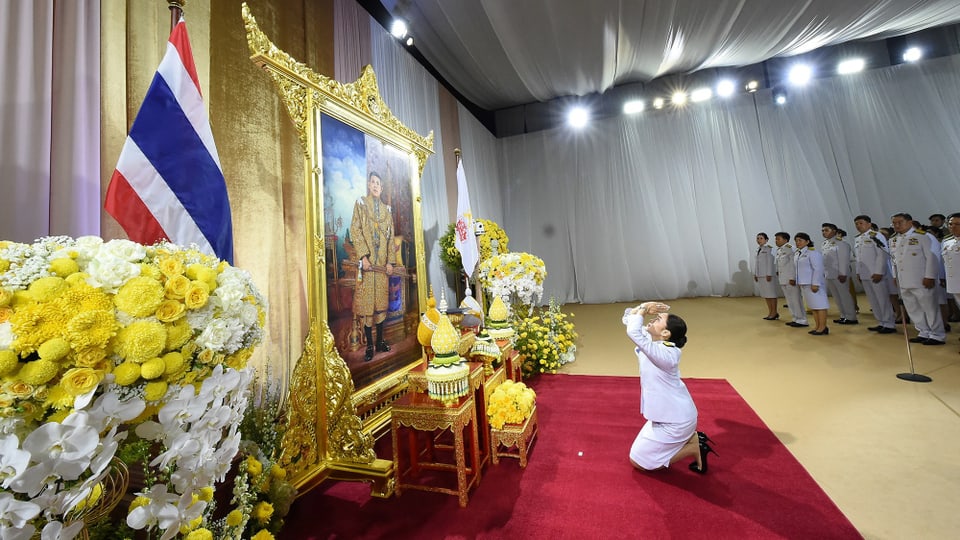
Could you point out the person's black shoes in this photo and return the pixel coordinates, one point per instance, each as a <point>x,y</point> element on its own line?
<point>846,321</point>
<point>885,330</point>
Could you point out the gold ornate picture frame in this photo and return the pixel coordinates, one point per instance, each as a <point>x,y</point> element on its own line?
<point>339,396</point>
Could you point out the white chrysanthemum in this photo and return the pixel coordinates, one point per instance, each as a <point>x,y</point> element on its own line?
<point>221,335</point>
<point>109,272</point>
<point>200,318</point>
<point>124,250</point>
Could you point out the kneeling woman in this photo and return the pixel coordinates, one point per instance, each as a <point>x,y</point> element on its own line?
<point>670,433</point>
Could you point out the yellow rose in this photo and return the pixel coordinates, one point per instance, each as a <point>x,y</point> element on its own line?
<point>199,272</point>
<point>170,310</point>
<point>78,381</point>
<point>206,356</point>
<point>63,267</point>
<point>19,389</point>
<point>154,391</point>
<point>170,266</point>
<point>153,368</point>
<point>234,518</point>
<point>176,287</point>
<point>196,297</point>
<point>9,362</point>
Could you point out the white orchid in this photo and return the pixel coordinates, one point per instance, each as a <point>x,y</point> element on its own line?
<point>14,516</point>
<point>13,460</point>
<point>55,530</point>
<point>160,511</point>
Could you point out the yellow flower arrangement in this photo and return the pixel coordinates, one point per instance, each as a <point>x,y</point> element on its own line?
<point>513,275</point>
<point>510,403</point>
<point>546,339</point>
<point>450,255</point>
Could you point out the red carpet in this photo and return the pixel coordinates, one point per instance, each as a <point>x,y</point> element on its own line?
<point>754,489</point>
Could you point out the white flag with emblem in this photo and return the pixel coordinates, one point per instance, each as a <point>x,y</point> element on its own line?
<point>463,235</point>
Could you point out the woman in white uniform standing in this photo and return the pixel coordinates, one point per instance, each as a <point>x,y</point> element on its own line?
<point>812,282</point>
<point>763,273</point>
<point>670,433</point>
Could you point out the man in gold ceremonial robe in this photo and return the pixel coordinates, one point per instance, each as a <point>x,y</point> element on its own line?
<point>371,232</point>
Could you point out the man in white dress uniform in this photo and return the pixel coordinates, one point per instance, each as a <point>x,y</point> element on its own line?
<point>916,268</point>
<point>787,276</point>
<point>836,265</point>
<point>872,263</point>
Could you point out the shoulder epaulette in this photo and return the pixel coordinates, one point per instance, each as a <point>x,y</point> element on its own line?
<point>920,230</point>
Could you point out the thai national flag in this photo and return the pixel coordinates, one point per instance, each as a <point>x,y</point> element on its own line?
<point>168,183</point>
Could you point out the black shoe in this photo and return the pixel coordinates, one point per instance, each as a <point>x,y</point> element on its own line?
<point>849,321</point>
<point>875,328</point>
<point>917,339</point>
<point>705,451</point>
<point>368,354</point>
<point>932,341</point>
<point>795,324</point>
<point>381,343</point>
<point>823,332</point>
<point>773,318</point>
<point>885,330</point>
<point>704,438</point>
<point>946,327</point>
<point>841,320</point>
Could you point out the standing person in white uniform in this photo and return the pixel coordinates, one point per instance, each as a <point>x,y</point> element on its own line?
<point>872,262</point>
<point>916,268</point>
<point>950,251</point>
<point>810,278</point>
<point>670,433</point>
<point>836,265</point>
<point>763,272</point>
<point>787,275</point>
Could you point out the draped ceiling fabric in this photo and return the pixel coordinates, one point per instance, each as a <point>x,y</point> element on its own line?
<point>501,53</point>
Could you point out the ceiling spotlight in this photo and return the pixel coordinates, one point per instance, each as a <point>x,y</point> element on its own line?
<point>800,74</point>
<point>658,103</point>
<point>779,96</point>
<point>852,65</point>
<point>752,86</point>
<point>726,87</point>
<point>912,54</point>
<point>679,98</point>
<point>409,41</point>
<point>701,94</point>
<point>633,107</point>
<point>578,117</point>
<point>398,29</point>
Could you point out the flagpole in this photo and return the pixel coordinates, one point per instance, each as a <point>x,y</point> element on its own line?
<point>176,11</point>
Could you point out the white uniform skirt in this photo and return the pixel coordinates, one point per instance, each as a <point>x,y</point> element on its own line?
<point>815,300</point>
<point>767,289</point>
<point>658,442</point>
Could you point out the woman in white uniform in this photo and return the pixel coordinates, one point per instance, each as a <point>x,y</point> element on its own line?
<point>812,282</point>
<point>763,273</point>
<point>670,433</point>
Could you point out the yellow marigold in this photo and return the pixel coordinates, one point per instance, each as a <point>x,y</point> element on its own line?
<point>34,324</point>
<point>91,328</point>
<point>154,391</point>
<point>178,333</point>
<point>173,362</point>
<point>234,518</point>
<point>140,296</point>
<point>9,362</point>
<point>278,472</point>
<point>137,503</point>
<point>58,397</point>
<point>91,499</point>
<point>79,381</point>
<point>262,534</point>
<point>151,369</point>
<point>5,296</point>
<point>38,372</point>
<point>176,287</point>
<point>141,341</point>
<point>170,266</point>
<point>150,271</point>
<point>63,267</point>
<point>254,467</point>
<point>126,373</point>
<point>200,534</point>
<point>263,511</point>
<point>206,493</point>
<point>196,297</point>
<point>47,288</point>
<point>171,310</point>
<point>54,349</point>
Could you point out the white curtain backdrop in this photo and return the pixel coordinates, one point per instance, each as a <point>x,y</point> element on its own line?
<point>411,93</point>
<point>481,165</point>
<point>667,204</point>
<point>50,119</point>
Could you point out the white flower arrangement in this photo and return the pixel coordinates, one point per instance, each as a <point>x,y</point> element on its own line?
<point>514,274</point>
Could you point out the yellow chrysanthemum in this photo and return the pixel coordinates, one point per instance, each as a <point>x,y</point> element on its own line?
<point>151,369</point>
<point>126,373</point>
<point>238,360</point>
<point>63,267</point>
<point>60,415</point>
<point>91,329</point>
<point>91,499</point>
<point>82,297</point>
<point>54,349</point>
<point>262,534</point>
<point>154,391</point>
<point>22,298</point>
<point>170,266</point>
<point>9,362</point>
<point>206,493</point>
<point>254,467</point>
<point>34,324</point>
<point>58,398</point>
<point>178,333</point>
<point>171,310</point>
<point>234,518</point>
<point>278,472</point>
<point>150,271</point>
<point>137,503</point>
<point>141,341</point>
<point>140,296</point>
<point>199,534</point>
<point>263,511</point>
<point>38,372</point>
<point>196,297</point>
<point>173,362</point>
<point>176,287</point>
<point>47,288</point>
<point>5,296</point>
<point>188,529</point>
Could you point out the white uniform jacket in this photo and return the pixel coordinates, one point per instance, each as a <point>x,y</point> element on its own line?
<point>763,266</point>
<point>872,257</point>
<point>913,259</point>
<point>950,250</point>
<point>663,396</point>
<point>836,258</point>
<point>810,267</point>
<point>786,266</point>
